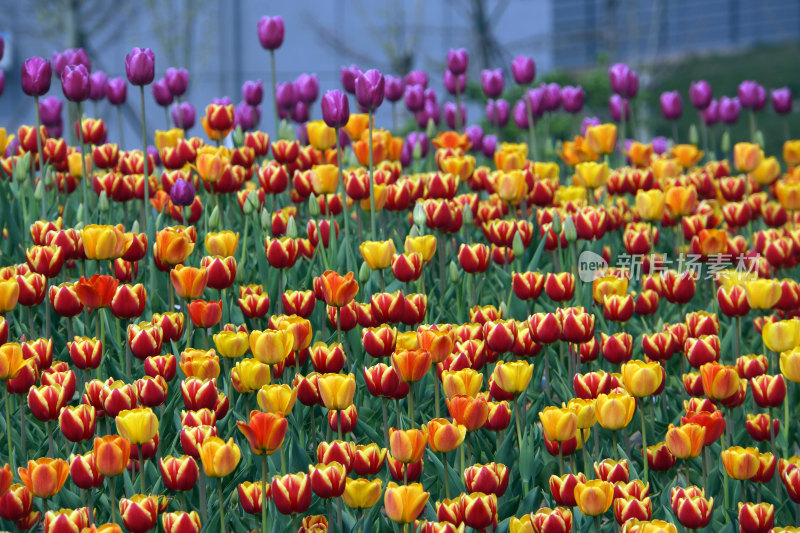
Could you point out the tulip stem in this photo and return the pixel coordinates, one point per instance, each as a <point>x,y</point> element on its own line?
<point>144,159</point>
<point>531,126</point>
<point>446,476</point>
<point>411,403</point>
<point>614,444</point>
<point>372,220</point>
<point>264,474</point>
<point>283,461</point>
<point>222,506</point>
<point>385,423</point>
<point>519,441</point>
<point>339,513</point>
<point>644,443</point>
<point>244,247</point>
<point>85,180</point>
<point>41,160</point>
<point>203,501</point>
<point>142,462</point>
<point>113,500</point>
<point>597,524</point>
<point>274,89</point>
<point>8,422</point>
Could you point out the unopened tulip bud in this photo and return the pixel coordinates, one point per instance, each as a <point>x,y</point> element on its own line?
<point>693,136</point>
<point>453,272</point>
<point>570,233</point>
<point>214,220</point>
<point>466,215</point>
<point>266,219</point>
<point>725,143</point>
<point>419,215</point>
<point>364,273</point>
<point>250,203</point>
<point>430,129</point>
<point>102,203</point>
<point>135,227</point>
<point>416,152</point>
<point>313,205</point>
<point>556,225</point>
<point>291,228</point>
<point>517,245</point>
<point>238,136</point>
<point>759,138</point>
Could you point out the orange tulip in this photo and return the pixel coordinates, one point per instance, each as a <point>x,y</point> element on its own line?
<point>445,436</point>
<point>685,441</point>
<point>407,446</point>
<point>264,432</point>
<point>44,477</point>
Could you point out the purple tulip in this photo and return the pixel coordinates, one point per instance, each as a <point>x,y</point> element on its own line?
<point>492,82</point>
<point>335,109</point>
<point>521,115</point>
<point>97,85</point>
<point>475,136</point>
<point>450,114</point>
<point>414,139</point>
<point>572,98</point>
<point>616,106</point>
<point>536,101</point>
<point>140,66</point>
<point>36,74</point>
<point>300,112</point>
<point>748,93</point>
<point>270,32</point>
<point>729,109</point>
<point>489,145</point>
<point>370,88</point>
<point>183,115</point>
<point>455,84</point>
<point>177,80</point>
<point>116,91</point>
<point>161,92</point>
<point>414,98</point>
<point>700,94</point>
<point>54,131</point>
<point>182,192</point>
<point>430,96</point>
<point>587,123</point>
<point>225,100</point>
<point>70,56</point>
<point>253,92</point>
<point>394,88</point>
<point>348,75</point>
<point>153,152</point>
<point>430,111</point>
<point>50,110</point>
<point>307,88</point>
<point>285,95</point>
<point>623,80</point>
<point>660,145</point>
<point>671,105</point>
<point>13,147</point>
<point>75,83</point>
<point>457,61</point>
<point>782,100</point>
<point>523,69</point>
<point>498,112</point>
<point>417,77</point>
<point>552,96</point>
<point>2,81</point>
<point>711,113</point>
<point>244,115</point>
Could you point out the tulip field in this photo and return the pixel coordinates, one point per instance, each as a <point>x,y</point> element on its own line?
<point>344,325</point>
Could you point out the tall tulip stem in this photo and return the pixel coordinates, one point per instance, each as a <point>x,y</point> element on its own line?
<point>8,426</point>
<point>644,444</point>
<point>274,89</point>
<point>113,500</point>
<point>446,476</point>
<point>264,475</point>
<point>41,159</point>
<point>222,506</point>
<point>142,462</point>
<point>85,180</point>
<point>372,221</point>
<point>144,159</point>
<point>411,403</point>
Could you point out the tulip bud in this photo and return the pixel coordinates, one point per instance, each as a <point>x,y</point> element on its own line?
<point>517,245</point>
<point>266,220</point>
<point>414,232</point>
<point>453,272</point>
<point>39,190</point>
<point>23,168</point>
<point>238,136</point>
<point>556,225</point>
<point>693,136</point>
<point>416,152</point>
<point>250,203</point>
<point>102,203</point>
<point>466,215</point>
<point>364,273</point>
<point>725,143</point>
<point>570,233</point>
<point>135,227</point>
<point>291,228</point>
<point>759,138</point>
<point>430,129</point>
<point>313,205</point>
<point>214,220</point>
<point>419,215</point>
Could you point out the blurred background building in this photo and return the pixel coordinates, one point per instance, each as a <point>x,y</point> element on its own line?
<point>572,41</point>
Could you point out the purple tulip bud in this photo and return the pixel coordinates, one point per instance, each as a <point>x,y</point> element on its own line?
<point>414,98</point>
<point>430,111</point>
<point>182,192</point>
<point>498,112</point>
<point>75,83</point>
<point>97,85</point>
<point>414,139</point>
<point>475,136</point>
<point>455,83</point>
<point>587,123</point>
<point>300,112</point>
<point>536,101</point>
<point>161,92</point>
<point>430,96</point>
<point>140,66</point>
<point>711,113</point>
<point>285,95</point>
<point>618,75</point>
<point>523,69</point>
<point>489,145</point>
<point>70,56</point>
<point>671,105</point>
<point>450,114</point>
<point>12,147</point>
<point>782,100</point>
<point>417,77</point>
<point>270,32</point>
<point>50,110</point>
<point>183,115</point>
<point>618,105</point>
<point>348,75</point>
<point>492,82</point>
<point>244,115</point>
<point>457,61</point>
<point>54,131</point>
<point>225,100</point>
<point>2,81</point>
<point>633,84</point>
<point>153,152</point>
<point>552,96</point>
<point>700,94</point>
<point>307,88</point>
<point>729,109</point>
<point>36,74</point>
<point>370,88</point>
<point>752,95</point>
<point>335,109</point>
<point>660,145</point>
<point>394,88</point>
<point>253,92</point>
<point>521,115</point>
<point>117,91</point>
<point>177,80</point>
<point>572,98</point>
